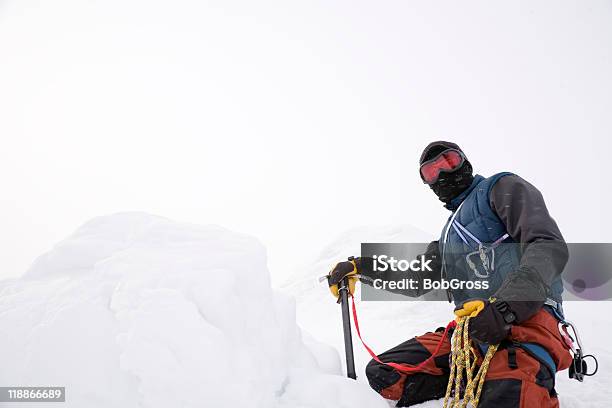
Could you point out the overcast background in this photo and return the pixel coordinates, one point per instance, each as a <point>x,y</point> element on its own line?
<point>269,117</point>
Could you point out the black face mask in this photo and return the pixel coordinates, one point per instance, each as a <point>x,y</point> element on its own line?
<point>450,185</point>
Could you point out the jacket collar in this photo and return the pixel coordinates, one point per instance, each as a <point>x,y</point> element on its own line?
<point>455,202</point>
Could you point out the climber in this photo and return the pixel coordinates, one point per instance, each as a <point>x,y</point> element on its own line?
<point>504,218</point>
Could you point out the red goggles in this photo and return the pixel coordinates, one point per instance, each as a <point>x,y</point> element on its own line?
<point>448,161</point>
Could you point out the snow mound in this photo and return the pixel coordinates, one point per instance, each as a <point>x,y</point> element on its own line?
<point>134,310</point>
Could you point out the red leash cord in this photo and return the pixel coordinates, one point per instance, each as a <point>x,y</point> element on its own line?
<point>402,367</point>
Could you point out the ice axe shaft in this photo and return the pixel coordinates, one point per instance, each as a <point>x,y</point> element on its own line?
<point>343,289</point>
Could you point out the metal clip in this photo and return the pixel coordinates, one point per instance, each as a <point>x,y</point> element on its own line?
<point>578,369</point>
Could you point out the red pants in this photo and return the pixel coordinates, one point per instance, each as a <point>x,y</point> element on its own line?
<point>515,379</point>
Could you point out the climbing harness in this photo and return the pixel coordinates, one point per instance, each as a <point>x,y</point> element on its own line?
<point>461,353</point>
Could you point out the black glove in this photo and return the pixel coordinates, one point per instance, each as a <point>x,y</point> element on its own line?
<point>493,323</point>
<point>340,271</point>
<point>525,292</point>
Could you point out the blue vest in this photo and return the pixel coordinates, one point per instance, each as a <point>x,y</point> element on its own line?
<point>475,245</point>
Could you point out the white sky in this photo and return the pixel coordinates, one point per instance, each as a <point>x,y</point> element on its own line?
<point>269,117</point>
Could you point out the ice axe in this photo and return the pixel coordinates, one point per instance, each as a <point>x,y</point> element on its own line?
<point>343,299</point>
<point>343,290</point>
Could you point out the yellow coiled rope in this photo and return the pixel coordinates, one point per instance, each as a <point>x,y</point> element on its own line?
<point>461,353</point>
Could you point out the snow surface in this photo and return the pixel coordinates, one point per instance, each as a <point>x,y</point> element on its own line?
<point>134,310</point>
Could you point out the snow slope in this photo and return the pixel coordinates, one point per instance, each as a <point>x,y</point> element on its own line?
<point>134,310</point>
<point>386,324</point>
